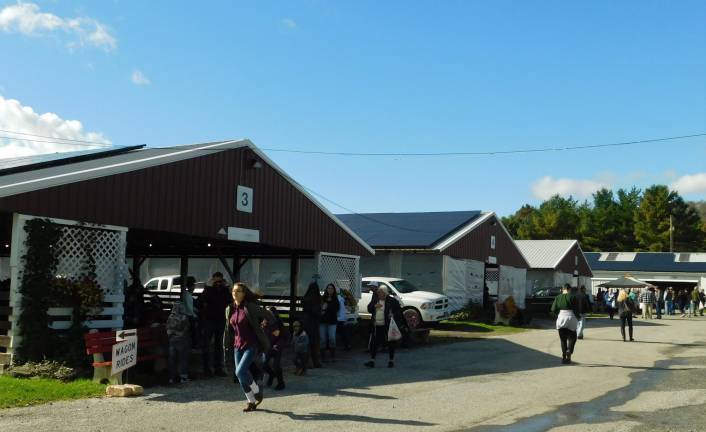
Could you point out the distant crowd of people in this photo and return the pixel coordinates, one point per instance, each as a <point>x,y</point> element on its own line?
<point>654,302</point>
<point>572,306</point>
<point>230,323</point>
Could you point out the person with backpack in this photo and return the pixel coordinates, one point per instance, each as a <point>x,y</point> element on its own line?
<point>626,309</point>
<point>566,309</point>
<point>179,334</point>
<point>387,324</point>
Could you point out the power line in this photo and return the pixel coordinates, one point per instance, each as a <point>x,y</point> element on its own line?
<point>46,136</point>
<point>491,152</point>
<point>79,144</point>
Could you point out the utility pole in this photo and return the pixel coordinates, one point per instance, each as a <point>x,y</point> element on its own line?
<point>671,234</point>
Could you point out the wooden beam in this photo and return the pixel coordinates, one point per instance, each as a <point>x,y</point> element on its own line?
<point>293,278</point>
<point>5,341</point>
<point>226,266</point>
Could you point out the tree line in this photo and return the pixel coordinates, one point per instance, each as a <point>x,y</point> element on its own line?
<point>625,220</point>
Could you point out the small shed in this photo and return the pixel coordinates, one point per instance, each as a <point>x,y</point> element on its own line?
<point>553,263</point>
<point>220,205</point>
<point>456,253</point>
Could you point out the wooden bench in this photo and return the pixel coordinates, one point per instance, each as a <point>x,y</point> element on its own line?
<point>151,344</point>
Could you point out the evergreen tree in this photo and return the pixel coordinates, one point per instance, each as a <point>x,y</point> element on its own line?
<point>556,218</point>
<point>652,219</point>
<point>628,203</point>
<point>519,225</point>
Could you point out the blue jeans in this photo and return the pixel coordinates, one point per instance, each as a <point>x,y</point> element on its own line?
<point>670,307</point>
<point>179,350</point>
<point>327,332</point>
<point>243,359</point>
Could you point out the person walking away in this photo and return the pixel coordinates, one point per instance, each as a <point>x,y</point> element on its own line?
<point>384,310</point>
<point>301,348</point>
<point>611,302</point>
<point>273,359</point>
<point>584,309</point>
<point>694,302</point>
<point>244,318</point>
<point>212,304</point>
<point>187,298</point>
<point>566,308</point>
<point>311,306</point>
<point>659,305</point>
<point>626,309</point>
<point>343,329</point>
<point>647,299</point>
<point>669,300</point>
<point>681,302</point>
<point>702,302</point>
<point>179,334</point>
<point>330,306</point>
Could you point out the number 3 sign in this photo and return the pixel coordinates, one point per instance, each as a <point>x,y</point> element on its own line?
<point>243,199</point>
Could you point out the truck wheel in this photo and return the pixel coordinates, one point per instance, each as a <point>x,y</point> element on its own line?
<point>413,318</point>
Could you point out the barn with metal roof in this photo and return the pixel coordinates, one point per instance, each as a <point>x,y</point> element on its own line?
<point>457,253</point>
<point>676,269</point>
<point>181,210</point>
<point>553,263</point>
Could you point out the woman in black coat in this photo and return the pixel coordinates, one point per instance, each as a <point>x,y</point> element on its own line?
<point>311,305</point>
<point>383,309</point>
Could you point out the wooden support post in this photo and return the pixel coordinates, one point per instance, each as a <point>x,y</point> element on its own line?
<point>184,272</point>
<point>226,266</point>
<point>236,268</point>
<point>293,278</point>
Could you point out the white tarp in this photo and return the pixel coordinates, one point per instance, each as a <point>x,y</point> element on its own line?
<point>513,282</point>
<point>463,281</point>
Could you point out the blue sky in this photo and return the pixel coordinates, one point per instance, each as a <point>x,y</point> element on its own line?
<point>380,77</point>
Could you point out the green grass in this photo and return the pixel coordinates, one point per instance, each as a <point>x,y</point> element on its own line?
<point>20,392</point>
<point>478,327</point>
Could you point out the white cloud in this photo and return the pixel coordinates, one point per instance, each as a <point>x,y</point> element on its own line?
<point>546,187</point>
<point>26,18</point>
<point>138,78</point>
<point>289,23</point>
<point>690,184</point>
<point>16,117</point>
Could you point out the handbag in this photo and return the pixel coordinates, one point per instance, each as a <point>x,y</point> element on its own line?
<point>393,332</point>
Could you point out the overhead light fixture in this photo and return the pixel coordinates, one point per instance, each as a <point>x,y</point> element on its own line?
<point>150,245</point>
<point>209,244</point>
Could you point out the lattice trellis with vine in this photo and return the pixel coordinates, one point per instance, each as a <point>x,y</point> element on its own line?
<point>107,248</point>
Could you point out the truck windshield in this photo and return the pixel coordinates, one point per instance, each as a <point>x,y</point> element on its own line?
<point>403,286</point>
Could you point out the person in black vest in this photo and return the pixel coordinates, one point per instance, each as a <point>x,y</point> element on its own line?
<point>311,306</point>
<point>383,309</point>
<point>212,304</point>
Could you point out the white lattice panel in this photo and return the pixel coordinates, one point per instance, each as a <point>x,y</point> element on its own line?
<point>341,270</point>
<point>108,248</point>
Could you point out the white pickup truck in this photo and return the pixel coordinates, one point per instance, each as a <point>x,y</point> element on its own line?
<point>168,290</point>
<point>422,306</point>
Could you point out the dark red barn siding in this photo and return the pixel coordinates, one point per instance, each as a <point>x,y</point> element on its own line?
<point>195,197</point>
<point>476,245</point>
<point>567,265</point>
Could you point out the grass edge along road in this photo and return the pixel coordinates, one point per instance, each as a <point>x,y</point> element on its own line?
<point>478,327</point>
<point>21,392</point>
